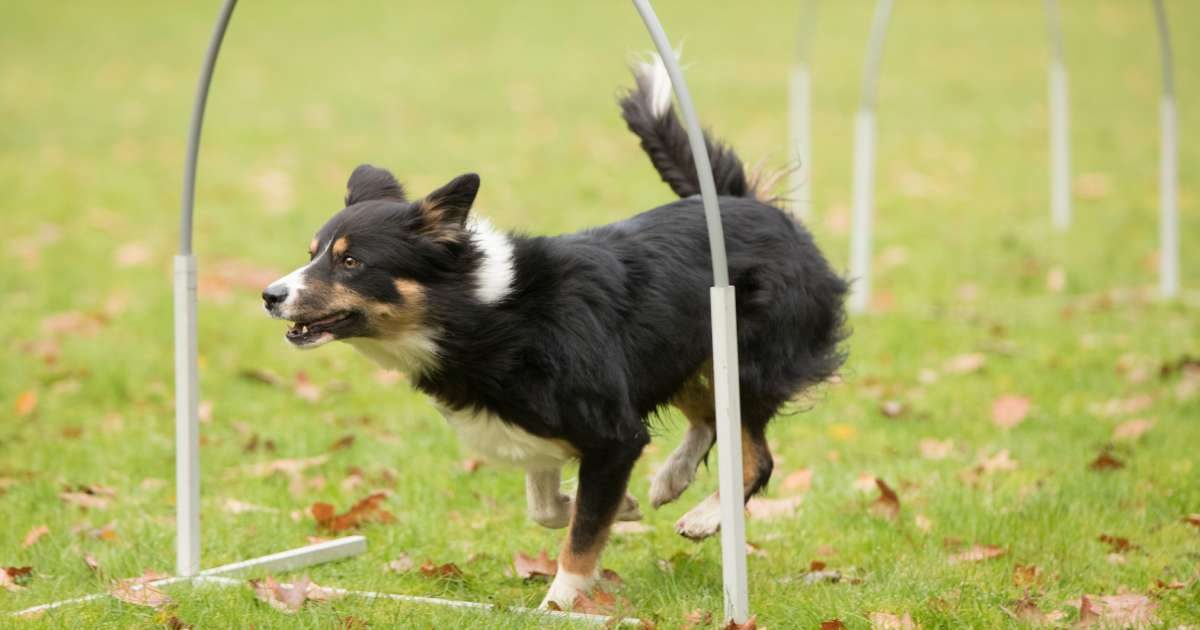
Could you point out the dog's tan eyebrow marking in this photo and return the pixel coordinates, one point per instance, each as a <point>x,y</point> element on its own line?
<point>340,246</point>
<point>312,247</point>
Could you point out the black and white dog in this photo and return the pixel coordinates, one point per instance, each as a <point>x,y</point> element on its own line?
<point>540,350</point>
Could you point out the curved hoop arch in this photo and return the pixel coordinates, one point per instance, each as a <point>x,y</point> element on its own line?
<point>725,361</point>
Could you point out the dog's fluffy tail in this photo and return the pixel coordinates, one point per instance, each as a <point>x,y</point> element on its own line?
<point>648,112</point>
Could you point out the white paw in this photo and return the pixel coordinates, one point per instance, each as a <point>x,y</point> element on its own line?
<point>629,510</point>
<point>565,588</point>
<point>702,521</point>
<point>670,482</point>
<point>554,516</point>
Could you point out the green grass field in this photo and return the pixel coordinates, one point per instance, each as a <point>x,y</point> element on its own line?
<point>95,98</point>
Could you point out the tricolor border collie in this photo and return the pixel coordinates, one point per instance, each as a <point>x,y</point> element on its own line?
<point>539,350</point>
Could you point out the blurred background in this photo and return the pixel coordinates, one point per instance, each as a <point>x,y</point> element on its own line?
<point>95,99</point>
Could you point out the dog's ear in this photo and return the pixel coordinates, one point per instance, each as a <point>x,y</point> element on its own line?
<point>444,211</point>
<point>367,183</point>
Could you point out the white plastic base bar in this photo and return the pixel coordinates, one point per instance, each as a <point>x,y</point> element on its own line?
<point>298,558</point>
<point>729,453</point>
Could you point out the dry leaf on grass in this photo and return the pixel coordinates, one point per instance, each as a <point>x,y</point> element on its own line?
<point>799,481</point>
<point>471,465</point>
<point>833,624</point>
<point>599,602</point>
<point>935,449</point>
<point>26,403</point>
<point>90,561</point>
<point>305,388</point>
<point>91,497</point>
<point>891,621</point>
<point>1106,461</point>
<point>290,598</point>
<point>965,363</point>
<point>1193,520</point>
<point>132,255</point>
<point>1009,410</point>
<point>865,482</point>
<point>15,578</point>
<point>1026,610</point>
<point>368,510</point>
<point>1126,610</point>
<point>1122,406</point>
<point>1117,544</point>
<point>750,624</point>
<point>1026,575</point>
<point>893,408</point>
<point>34,535</point>
<point>344,442</point>
<point>769,509</point>
<point>527,567</point>
<point>888,504</point>
<point>1131,430</point>
<point>139,592</point>
<point>448,570</point>
<point>73,323</point>
<point>697,619</point>
<point>977,553</point>
<point>402,564</point>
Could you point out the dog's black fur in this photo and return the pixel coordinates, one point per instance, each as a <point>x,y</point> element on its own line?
<point>601,328</point>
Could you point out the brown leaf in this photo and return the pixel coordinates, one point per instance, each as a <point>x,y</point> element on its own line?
<point>1092,186</point>
<point>1126,610</point>
<point>15,578</point>
<point>139,592</point>
<point>936,449</point>
<point>1056,280</point>
<point>73,322</point>
<point>263,376</point>
<point>1117,544</point>
<point>26,403</point>
<point>769,509</point>
<point>965,363</point>
<point>471,464</point>
<point>697,619</point>
<point>751,624</point>
<point>893,408</point>
<point>1026,575</point>
<point>799,481</point>
<point>346,441</point>
<point>1106,461</point>
<point>1131,430</point>
<point>999,462</point>
<point>923,523</point>
<point>890,621</point>
<point>1026,610</point>
<point>1123,406</point>
<point>977,553</point>
<point>599,602</point>
<point>448,570</point>
<point>34,535</point>
<point>85,500</point>
<point>1193,520</point>
<point>1009,410</point>
<point>132,255</point>
<point>865,482</point>
<point>833,624</point>
<point>402,564</point>
<point>92,563</point>
<point>888,504</point>
<point>290,598</point>
<point>368,510</point>
<point>305,388</point>
<point>529,567</point>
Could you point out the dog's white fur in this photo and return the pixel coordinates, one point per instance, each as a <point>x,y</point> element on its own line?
<point>680,469</point>
<point>702,521</point>
<point>494,277</point>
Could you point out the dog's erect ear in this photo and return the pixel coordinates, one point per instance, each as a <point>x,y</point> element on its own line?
<point>445,210</point>
<point>367,183</point>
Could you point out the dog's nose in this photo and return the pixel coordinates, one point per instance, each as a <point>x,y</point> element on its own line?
<point>274,295</point>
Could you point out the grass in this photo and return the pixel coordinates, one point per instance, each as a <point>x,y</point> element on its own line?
<point>95,99</point>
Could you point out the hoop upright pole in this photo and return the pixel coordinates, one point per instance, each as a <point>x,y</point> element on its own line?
<point>1168,183</point>
<point>1060,122</point>
<point>800,117</point>
<point>187,387</point>
<point>864,164</point>
<point>724,341</point>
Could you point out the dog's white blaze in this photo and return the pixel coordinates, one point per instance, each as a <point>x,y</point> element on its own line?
<point>500,442</point>
<point>655,71</point>
<point>494,277</point>
<point>412,353</point>
<point>294,282</point>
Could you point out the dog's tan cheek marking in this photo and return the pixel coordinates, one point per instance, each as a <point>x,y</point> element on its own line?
<point>340,246</point>
<point>312,247</point>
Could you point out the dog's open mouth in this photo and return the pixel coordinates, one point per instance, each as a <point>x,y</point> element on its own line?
<point>317,331</point>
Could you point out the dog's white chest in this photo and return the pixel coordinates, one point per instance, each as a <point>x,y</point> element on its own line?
<point>499,442</point>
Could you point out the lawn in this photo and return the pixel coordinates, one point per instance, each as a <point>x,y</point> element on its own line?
<point>999,362</point>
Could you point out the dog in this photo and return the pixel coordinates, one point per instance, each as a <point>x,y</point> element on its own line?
<point>540,350</point>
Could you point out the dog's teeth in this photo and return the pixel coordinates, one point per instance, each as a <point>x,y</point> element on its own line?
<point>304,330</point>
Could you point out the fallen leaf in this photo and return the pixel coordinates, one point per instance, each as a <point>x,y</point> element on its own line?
<point>448,570</point>
<point>290,598</point>
<point>1106,461</point>
<point>1125,610</point>
<point>344,442</point>
<point>139,592</point>
<point>890,621</point>
<point>1193,520</point>
<point>288,467</point>
<point>1026,575</point>
<point>471,465</point>
<point>368,510</point>
<point>1117,544</point>
<point>923,523</point>
<point>402,564</point>
<point>305,388</point>
<point>833,624</point>
<point>1026,610</point>
<point>1122,406</point>
<point>599,602</point>
<point>977,553</point>
<point>893,408</point>
<point>1056,280</point>
<point>751,624</point>
<point>34,535</point>
<point>263,376</point>
<point>529,567</point>
<point>769,509</point>
<point>1131,430</point>
<point>26,403</point>
<point>1092,186</point>
<point>90,561</point>
<point>1009,410</point>
<point>73,323</point>
<point>965,363</point>
<point>14,579</point>
<point>935,449</point>
<point>233,506</point>
<point>799,481</point>
<point>132,255</point>
<point>85,500</point>
<point>888,504</point>
<point>865,482</point>
<point>697,619</point>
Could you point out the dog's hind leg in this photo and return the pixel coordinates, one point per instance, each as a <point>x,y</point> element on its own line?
<point>547,506</point>
<point>704,520</point>
<point>695,400</point>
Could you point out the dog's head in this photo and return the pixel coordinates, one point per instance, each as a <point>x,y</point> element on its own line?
<point>372,265</point>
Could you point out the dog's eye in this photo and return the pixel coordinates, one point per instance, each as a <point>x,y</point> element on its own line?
<point>350,263</point>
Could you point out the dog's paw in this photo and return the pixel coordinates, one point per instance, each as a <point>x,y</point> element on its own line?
<point>565,588</point>
<point>554,516</point>
<point>629,510</point>
<point>670,482</point>
<point>702,521</point>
